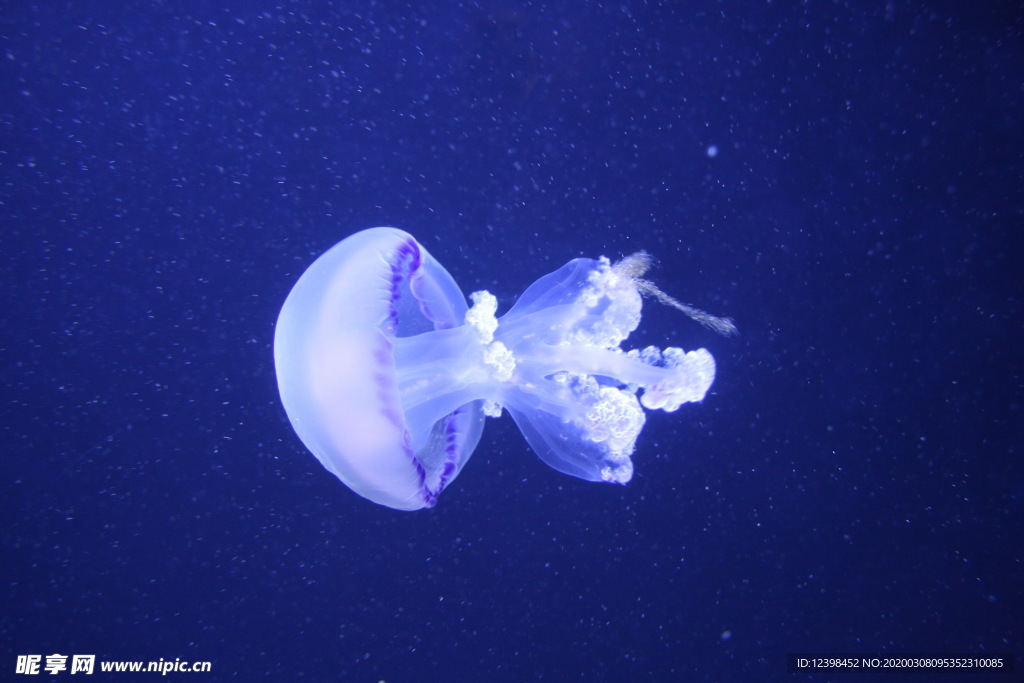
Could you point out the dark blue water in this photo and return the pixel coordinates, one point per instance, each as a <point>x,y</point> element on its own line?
<point>852,483</point>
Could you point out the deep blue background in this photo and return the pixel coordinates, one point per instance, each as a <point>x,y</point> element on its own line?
<point>852,483</point>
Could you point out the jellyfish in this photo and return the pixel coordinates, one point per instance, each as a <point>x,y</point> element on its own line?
<point>387,375</point>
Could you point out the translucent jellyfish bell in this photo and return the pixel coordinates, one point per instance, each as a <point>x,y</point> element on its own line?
<point>386,375</point>
<point>339,374</point>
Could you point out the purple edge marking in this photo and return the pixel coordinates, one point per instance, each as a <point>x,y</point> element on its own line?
<point>405,264</point>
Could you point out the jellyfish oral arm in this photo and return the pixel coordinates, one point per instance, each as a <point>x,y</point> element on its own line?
<point>557,368</point>
<point>442,370</point>
<point>673,376</point>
